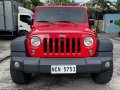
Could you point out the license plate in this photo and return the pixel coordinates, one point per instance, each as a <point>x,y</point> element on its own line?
<point>63,69</point>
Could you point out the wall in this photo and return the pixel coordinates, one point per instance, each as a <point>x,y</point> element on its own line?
<point>109,25</point>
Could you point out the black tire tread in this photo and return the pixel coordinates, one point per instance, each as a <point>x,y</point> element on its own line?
<point>23,33</point>
<point>102,77</point>
<point>19,77</point>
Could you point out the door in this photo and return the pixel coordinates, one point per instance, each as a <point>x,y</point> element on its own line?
<point>23,22</point>
<point>109,23</point>
<point>2,26</point>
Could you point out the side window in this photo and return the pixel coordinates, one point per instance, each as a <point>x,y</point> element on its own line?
<point>24,18</point>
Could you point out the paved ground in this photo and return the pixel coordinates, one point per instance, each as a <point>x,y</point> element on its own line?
<point>4,48</point>
<point>60,82</point>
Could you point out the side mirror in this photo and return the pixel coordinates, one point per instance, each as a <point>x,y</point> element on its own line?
<point>91,22</point>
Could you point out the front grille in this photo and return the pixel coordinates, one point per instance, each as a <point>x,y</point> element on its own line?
<point>61,45</point>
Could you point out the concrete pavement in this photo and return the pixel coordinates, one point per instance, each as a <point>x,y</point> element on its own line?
<point>4,48</point>
<point>5,54</point>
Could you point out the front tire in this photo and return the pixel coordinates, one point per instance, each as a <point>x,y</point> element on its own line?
<point>102,77</point>
<point>23,33</point>
<point>19,77</point>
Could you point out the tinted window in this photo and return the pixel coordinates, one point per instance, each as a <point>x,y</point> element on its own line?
<point>24,18</point>
<point>76,15</point>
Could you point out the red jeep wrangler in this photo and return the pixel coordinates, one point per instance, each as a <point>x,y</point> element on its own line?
<point>61,42</point>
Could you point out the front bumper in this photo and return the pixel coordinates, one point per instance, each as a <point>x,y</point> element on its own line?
<point>43,65</point>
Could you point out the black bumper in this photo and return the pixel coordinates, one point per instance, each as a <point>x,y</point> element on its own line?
<point>43,65</point>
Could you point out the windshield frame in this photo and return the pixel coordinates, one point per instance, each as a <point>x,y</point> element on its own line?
<point>62,7</point>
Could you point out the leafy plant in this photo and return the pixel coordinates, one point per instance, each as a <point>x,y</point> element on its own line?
<point>60,2</point>
<point>118,5</point>
<point>117,22</point>
<point>102,5</point>
<point>30,4</point>
<point>97,29</point>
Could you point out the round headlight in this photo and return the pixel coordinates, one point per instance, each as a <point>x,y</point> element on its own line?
<point>35,41</point>
<point>88,41</point>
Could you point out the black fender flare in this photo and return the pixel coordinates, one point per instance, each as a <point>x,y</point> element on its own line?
<point>19,44</point>
<point>104,44</point>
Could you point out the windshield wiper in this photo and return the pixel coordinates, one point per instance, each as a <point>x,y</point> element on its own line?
<point>65,22</point>
<point>45,22</point>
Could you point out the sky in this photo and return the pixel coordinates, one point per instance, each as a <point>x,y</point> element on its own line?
<point>81,0</point>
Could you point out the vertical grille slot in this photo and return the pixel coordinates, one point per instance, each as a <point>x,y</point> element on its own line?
<point>73,45</point>
<point>56,45</point>
<point>62,44</point>
<point>78,45</point>
<point>45,45</point>
<point>50,45</point>
<point>68,45</point>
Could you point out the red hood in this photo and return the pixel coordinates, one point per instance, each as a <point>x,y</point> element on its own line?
<point>61,28</point>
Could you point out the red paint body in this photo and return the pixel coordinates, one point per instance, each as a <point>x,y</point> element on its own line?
<point>59,30</point>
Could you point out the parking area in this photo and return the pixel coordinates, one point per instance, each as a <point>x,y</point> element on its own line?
<point>57,82</point>
<point>4,48</point>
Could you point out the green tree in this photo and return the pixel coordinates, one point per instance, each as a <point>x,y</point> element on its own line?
<point>102,5</point>
<point>30,4</point>
<point>36,2</point>
<point>118,5</point>
<point>60,2</point>
<point>99,6</point>
<point>117,22</point>
<point>91,12</point>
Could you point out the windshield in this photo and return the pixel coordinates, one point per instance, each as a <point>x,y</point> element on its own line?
<point>75,15</point>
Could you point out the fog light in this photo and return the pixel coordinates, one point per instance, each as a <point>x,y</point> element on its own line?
<point>33,51</point>
<point>17,64</point>
<point>107,64</point>
<point>91,51</point>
